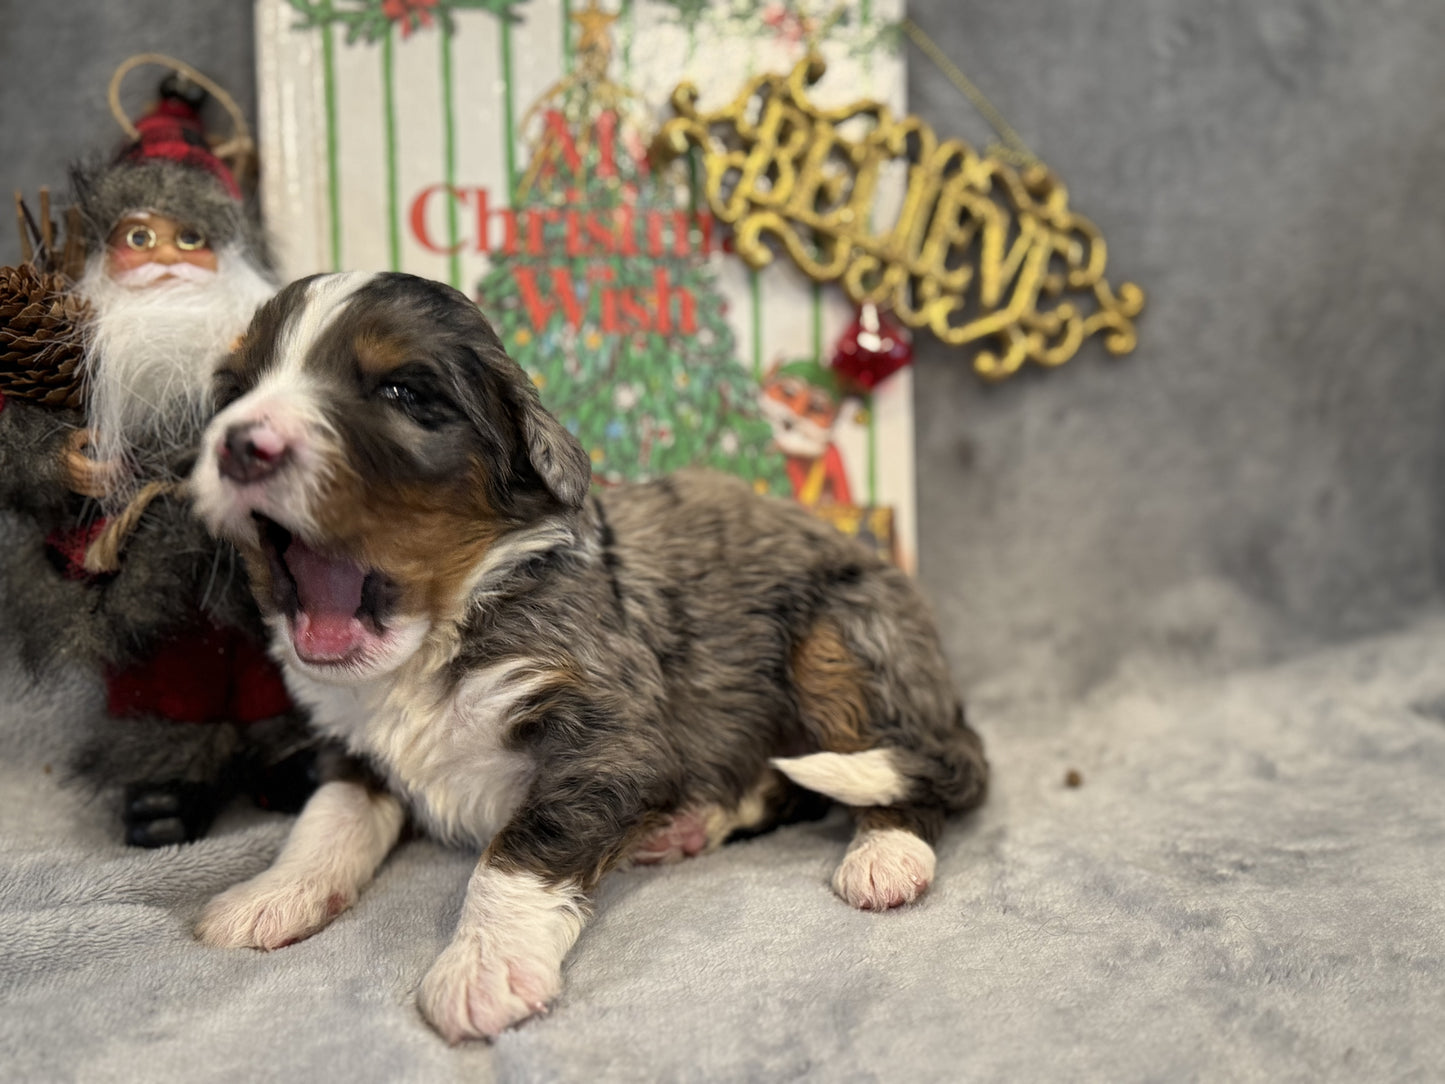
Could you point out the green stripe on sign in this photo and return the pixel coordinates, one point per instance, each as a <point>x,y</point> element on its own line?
<point>872,453</point>
<point>755,284</point>
<point>393,212</point>
<point>333,170</point>
<point>630,10</point>
<point>510,150</point>
<point>449,135</point>
<point>818,323</point>
<point>567,35</point>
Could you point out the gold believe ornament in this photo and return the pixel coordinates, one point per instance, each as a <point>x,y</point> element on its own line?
<point>979,252</point>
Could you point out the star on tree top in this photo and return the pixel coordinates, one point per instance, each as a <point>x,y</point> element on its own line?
<point>595,24</point>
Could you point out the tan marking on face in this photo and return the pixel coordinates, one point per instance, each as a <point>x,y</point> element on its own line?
<point>428,539</point>
<point>379,353</point>
<point>832,690</point>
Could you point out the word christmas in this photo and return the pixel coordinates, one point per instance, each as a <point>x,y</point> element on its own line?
<point>568,252</point>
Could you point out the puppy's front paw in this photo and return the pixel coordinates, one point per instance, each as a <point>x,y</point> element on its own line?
<point>884,869</point>
<point>472,992</point>
<point>269,912</point>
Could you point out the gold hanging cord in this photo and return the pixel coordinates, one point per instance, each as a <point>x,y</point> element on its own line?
<point>1011,147</point>
<point>238,150</point>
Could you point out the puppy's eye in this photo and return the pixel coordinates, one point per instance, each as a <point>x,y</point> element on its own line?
<point>226,389</point>
<point>403,395</point>
<point>416,392</point>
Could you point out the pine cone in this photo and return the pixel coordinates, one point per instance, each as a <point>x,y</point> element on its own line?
<point>40,337</point>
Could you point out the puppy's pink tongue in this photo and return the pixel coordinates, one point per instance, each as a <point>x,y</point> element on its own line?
<point>329,590</point>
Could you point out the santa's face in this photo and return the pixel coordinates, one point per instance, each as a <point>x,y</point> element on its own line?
<point>145,247</point>
<point>165,307</point>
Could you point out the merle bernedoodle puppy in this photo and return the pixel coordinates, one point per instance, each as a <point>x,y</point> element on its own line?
<point>563,681</point>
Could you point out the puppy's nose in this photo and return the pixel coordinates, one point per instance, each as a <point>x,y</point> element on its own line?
<point>251,452</point>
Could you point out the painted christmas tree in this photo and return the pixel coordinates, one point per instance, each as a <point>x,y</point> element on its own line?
<point>599,287</point>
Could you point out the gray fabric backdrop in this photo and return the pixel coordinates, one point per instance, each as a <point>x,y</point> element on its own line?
<point>1258,481</point>
<point>1268,169</point>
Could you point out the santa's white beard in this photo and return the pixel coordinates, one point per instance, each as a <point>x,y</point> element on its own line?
<point>150,354</point>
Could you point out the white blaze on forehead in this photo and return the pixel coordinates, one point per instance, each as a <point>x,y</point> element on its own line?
<point>287,397</point>
<point>291,403</point>
<point>325,298</point>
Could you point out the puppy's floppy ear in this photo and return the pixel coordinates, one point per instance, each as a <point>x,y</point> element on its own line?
<point>551,453</point>
<point>554,453</point>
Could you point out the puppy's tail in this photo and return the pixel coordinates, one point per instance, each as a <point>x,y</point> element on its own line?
<point>956,778</point>
<point>870,778</point>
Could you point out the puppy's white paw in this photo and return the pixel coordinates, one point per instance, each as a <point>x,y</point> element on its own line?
<point>883,869</point>
<point>472,992</point>
<point>270,912</point>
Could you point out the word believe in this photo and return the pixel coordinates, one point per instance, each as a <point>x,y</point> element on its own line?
<point>976,251</point>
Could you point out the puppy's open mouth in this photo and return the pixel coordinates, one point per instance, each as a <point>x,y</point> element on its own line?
<point>336,608</point>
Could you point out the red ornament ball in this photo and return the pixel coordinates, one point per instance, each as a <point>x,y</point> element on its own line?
<point>872,349</point>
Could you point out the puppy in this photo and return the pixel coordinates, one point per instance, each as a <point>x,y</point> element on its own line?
<point>559,680</point>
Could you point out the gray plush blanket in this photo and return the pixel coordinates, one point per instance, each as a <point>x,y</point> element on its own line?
<point>1245,886</point>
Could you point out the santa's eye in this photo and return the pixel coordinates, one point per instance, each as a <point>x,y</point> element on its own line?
<point>140,238</point>
<point>188,239</point>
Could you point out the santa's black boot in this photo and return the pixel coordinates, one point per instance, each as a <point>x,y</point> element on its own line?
<point>160,814</point>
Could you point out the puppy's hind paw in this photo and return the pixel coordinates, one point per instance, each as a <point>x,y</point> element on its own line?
<point>471,994</point>
<point>269,912</point>
<point>884,868</point>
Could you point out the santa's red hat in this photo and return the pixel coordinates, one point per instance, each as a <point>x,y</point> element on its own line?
<point>170,170</point>
<point>172,131</point>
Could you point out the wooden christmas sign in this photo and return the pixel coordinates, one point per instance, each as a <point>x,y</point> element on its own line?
<point>503,146</point>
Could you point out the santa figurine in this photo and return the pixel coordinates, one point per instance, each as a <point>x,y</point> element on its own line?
<point>197,711</point>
